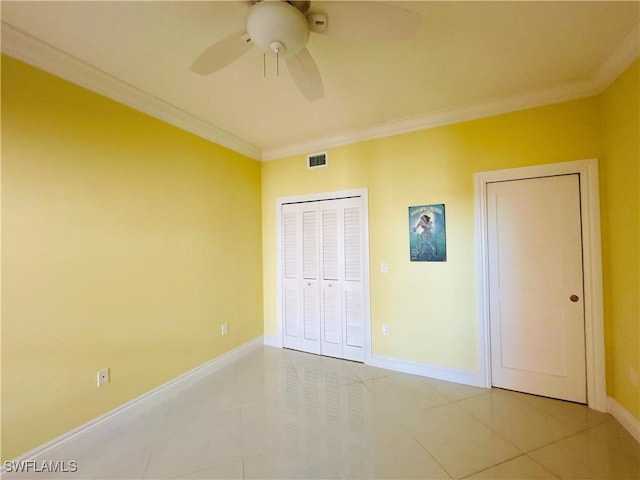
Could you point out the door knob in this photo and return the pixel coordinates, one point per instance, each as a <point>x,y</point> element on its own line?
<point>574,298</point>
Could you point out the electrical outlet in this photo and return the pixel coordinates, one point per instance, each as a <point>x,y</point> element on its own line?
<point>385,330</point>
<point>224,329</point>
<point>103,376</point>
<point>384,268</point>
<point>633,376</point>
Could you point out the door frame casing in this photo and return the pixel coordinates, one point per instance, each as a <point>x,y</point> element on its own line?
<point>363,193</point>
<point>591,263</point>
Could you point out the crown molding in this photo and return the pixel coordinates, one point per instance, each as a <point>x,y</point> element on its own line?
<point>37,53</point>
<point>623,56</point>
<point>489,108</point>
<point>599,80</point>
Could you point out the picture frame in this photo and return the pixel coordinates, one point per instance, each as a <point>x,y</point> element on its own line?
<point>427,233</point>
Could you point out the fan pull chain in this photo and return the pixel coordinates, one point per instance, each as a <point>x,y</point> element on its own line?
<point>276,49</point>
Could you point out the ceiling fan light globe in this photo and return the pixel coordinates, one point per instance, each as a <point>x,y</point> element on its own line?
<point>271,23</point>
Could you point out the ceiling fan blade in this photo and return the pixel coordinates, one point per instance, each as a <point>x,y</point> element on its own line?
<point>305,74</point>
<point>222,53</point>
<point>367,21</point>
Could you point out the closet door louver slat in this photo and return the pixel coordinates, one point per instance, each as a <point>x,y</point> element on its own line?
<point>352,245</point>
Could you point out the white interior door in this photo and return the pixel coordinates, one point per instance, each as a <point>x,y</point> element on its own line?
<point>323,297</point>
<point>291,276</point>
<point>300,283</point>
<point>536,287</point>
<point>310,341</point>
<point>353,273</point>
<point>331,283</point>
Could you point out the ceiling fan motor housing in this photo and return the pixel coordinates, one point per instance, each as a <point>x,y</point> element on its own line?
<point>277,27</point>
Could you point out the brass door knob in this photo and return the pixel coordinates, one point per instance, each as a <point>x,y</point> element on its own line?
<point>574,298</point>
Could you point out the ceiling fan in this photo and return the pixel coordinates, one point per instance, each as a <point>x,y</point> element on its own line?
<point>283,27</point>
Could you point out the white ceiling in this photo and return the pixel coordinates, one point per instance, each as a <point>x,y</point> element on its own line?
<point>467,60</point>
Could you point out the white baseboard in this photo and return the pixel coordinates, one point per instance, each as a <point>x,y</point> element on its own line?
<point>449,374</point>
<point>273,341</point>
<point>145,401</point>
<point>628,421</point>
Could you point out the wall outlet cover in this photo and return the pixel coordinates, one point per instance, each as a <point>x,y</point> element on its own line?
<point>103,377</point>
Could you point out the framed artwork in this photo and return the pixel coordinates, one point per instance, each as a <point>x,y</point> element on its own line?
<point>427,233</point>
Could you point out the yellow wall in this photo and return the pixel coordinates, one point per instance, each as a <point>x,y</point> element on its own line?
<point>430,307</point>
<point>620,180</point>
<point>126,242</point>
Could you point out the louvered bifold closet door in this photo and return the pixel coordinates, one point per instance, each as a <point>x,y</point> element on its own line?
<point>323,287</point>
<point>353,284</point>
<point>300,285</point>
<point>310,341</point>
<point>292,276</point>
<point>332,253</point>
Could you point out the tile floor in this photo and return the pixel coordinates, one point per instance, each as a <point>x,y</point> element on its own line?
<point>284,414</point>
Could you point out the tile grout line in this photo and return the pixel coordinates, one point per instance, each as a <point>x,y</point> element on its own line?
<point>157,438</point>
<point>579,431</point>
<point>427,451</point>
<point>544,466</point>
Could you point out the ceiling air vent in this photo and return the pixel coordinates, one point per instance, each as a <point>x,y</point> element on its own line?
<point>317,160</point>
